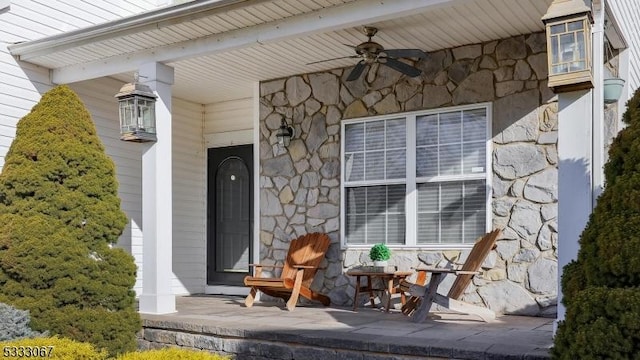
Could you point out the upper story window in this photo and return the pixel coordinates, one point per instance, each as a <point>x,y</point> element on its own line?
<point>417,179</point>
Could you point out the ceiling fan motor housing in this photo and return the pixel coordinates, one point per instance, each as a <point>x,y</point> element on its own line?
<point>369,50</point>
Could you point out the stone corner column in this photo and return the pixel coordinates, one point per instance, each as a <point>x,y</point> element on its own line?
<point>157,216</point>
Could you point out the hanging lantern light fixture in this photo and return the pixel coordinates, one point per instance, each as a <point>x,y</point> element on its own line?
<point>568,28</point>
<point>136,103</point>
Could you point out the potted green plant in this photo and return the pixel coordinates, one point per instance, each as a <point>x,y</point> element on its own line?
<point>379,254</point>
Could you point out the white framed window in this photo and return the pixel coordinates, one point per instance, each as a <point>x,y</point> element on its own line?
<point>419,179</point>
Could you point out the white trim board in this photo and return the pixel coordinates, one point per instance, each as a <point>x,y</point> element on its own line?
<point>229,138</point>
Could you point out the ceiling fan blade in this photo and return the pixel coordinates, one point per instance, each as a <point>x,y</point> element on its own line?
<point>406,53</point>
<point>400,66</point>
<point>338,58</point>
<point>357,70</point>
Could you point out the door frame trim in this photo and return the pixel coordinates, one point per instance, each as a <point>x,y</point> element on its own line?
<point>239,137</point>
<point>234,138</point>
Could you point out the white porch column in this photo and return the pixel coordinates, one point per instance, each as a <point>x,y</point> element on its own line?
<point>157,219</point>
<point>575,189</point>
<point>581,155</point>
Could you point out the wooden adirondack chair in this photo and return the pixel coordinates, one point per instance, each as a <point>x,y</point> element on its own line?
<point>424,295</point>
<point>304,256</point>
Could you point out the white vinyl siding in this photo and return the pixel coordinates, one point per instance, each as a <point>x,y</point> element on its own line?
<point>189,195</point>
<point>627,13</point>
<point>417,179</point>
<point>228,116</point>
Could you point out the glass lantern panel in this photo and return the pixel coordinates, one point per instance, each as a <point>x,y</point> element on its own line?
<point>561,68</point>
<point>127,115</point>
<point>575,25</point>
<point>146,113</point>
<point>567,48</point>
<point>581,46</point>
<point>557,29</point>
<point>555,52</point>
<point>577,66</point>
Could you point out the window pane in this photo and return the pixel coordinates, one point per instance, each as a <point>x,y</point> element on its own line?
<point>428,225</point>
<point>396,134</point>
<point>428,195</point>
<point>396,164</point>
<point>450,159</point>
<point>459,219</point>
<point>376,228</point>
<point>356,200</point>
<point>396,229</point>
<point>474,195</point>
<point>356,229</point>
<point>451,227</point>
<point>450,127</point>
<point>375,165</point>
<point>474,158</point>
<point>427,161</point>
<point>474,226</point>
<point>474,126</point>
<point>374,135</point>
<point>385,216</point>
<point>376,199</point>
<point>396,197</point>
<point>354,167</point>
<point>451,197</point>
<point>427,130</point>
<point>354,137</point>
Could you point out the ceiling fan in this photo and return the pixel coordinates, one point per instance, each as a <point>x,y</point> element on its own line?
<point>371,52</point>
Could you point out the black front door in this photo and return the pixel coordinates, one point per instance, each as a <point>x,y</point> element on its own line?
<point>229,214</point>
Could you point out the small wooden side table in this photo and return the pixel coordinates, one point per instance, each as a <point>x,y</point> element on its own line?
<point>391,278</point>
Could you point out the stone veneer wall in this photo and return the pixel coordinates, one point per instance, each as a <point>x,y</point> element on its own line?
<point>300,188</point>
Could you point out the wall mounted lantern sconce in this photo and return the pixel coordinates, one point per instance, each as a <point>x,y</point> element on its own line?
<point>136,103</point>
<point>568,28</point>
<point>284,134</point>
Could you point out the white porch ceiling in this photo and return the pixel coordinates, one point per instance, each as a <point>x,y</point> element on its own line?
<point>219,54</point>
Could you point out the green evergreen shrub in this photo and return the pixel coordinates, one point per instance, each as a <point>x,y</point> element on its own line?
<point>51,348</point>
<point>14,324</point>
<point>601,289</point>
<point>171,353</point>
<point>602,323</point>
<point>59,217</point>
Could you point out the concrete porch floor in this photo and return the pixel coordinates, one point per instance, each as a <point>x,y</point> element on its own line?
<point>269,331</point>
